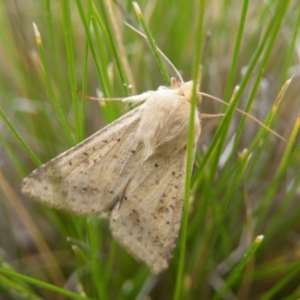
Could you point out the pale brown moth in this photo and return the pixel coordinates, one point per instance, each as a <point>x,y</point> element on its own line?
<point>133,170</point>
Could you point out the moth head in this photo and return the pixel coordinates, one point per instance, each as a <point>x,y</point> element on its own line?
<point>186,90</point>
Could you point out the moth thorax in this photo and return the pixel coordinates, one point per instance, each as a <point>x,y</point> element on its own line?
<point>164,121</point>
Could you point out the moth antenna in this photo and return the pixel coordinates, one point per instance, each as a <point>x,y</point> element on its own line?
<point>98,99</point>
<point>160,52</point>
<point>210,116</point>
<point>245,114</point>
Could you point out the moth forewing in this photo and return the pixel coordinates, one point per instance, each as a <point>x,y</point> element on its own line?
<point>88,178</point>
<point>134,168</point>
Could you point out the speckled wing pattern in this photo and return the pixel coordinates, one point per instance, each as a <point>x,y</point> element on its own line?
<point>134,169</point>
<point>89,178</point>
<point>147,220</point>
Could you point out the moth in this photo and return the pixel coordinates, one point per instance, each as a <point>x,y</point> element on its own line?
<point>133,170</point>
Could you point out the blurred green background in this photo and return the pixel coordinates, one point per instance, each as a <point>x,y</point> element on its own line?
<point>86,46</point>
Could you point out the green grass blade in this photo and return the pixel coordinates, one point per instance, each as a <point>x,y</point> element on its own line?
<point>41,284</point>
<point>190,158</point>
<point>152,44</point>
<point>19,138</point>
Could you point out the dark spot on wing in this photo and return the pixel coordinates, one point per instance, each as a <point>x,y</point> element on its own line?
<point>156,165</point>
<point>163,209</point>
